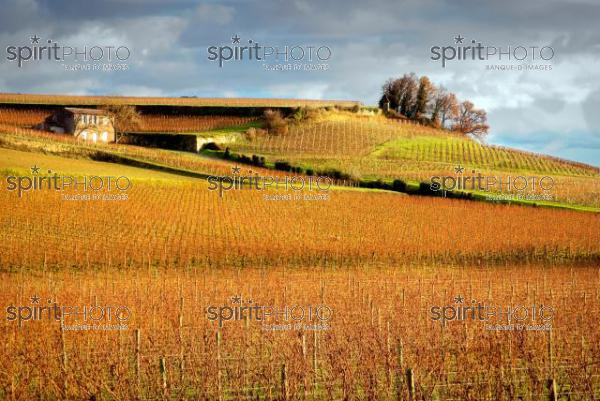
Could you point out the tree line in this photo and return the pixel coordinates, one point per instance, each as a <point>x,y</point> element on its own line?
<point>420,100</point>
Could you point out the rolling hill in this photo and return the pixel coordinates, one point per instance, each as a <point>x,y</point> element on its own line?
<point>359,146</point>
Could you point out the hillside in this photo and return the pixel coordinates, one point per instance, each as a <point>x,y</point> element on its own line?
<point>375,148</point>
<point>361,146</point>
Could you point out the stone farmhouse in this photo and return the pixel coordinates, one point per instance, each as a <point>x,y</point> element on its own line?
<point>91,125</point>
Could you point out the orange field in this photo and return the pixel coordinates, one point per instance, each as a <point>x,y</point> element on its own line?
<point>186,224</point>
<point>380,341</point>
<point>378,261</point>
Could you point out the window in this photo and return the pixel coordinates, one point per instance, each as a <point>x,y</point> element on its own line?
<point>105,136</point>
<point>84,135</point>
<point>94,137</point>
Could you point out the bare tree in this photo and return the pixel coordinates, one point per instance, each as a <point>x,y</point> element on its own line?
<point>408,90</point>
<point>471,121</point>
<point>125,117</point>
<point>436,108</point>
<point>444,108</point>
<point>450,108</point>
<point>423,98</point>
<point>400,94</point>
<point>419,99</point>
<point>388,99</point>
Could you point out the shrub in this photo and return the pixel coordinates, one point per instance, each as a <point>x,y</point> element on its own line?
<point>275,123</point>
<point>283,165</point>
<point>299,114</point>
<point>250,134</point>
<point>258,161</point>
<point>399,185</point>
<point>335,174</point>
<point>425,189</point>
<point>393,114</point>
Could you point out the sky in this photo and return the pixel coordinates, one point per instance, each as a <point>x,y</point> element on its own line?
<point>554,109</point>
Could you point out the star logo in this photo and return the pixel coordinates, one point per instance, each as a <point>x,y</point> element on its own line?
<point>35,39</point>
<point>236,299</point>
<point>235,170</point>
<point>35,170</point>
<point>458,299</point>
<point>35,299</point>
<point>235,39</point>
<point>458,39</point>
<point>459,169</point>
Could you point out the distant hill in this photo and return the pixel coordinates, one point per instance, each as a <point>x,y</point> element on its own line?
<point>67,100</point>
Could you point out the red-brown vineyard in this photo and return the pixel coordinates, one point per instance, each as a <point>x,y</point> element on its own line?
<point>186,224</point>
<point>381,340</point>
<point>171,252</point>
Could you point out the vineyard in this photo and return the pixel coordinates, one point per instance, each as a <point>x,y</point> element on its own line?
<point>196,124</point>
<point>22,117</point>
<point>574,183</point>
<point>36,141</point>
<point>383,149</point>
<point>379,261</point>
<point>381,342</point>
<point>27,118</point>
<point>242,228</point>
<point>404,142</point>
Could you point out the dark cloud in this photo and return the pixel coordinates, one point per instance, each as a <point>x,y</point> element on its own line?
<point>591,110</point>
<point>371,41</point>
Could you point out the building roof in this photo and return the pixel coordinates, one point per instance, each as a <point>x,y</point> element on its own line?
<point>76,110</point>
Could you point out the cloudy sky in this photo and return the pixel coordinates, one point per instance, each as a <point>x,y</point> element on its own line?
<point>553,111</point>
